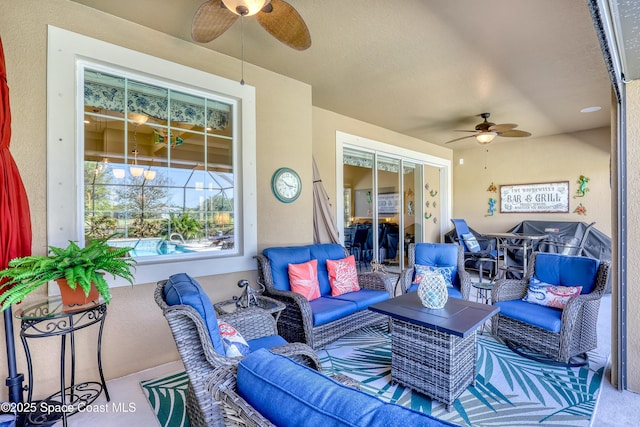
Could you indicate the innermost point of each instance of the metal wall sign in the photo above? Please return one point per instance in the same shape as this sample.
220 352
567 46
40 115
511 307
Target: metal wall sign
545 197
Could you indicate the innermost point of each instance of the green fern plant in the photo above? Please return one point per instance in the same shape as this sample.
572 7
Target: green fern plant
80 266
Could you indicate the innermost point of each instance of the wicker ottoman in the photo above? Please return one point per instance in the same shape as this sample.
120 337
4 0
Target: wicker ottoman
434 351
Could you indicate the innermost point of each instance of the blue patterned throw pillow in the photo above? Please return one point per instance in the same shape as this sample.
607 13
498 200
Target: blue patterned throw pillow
471 242
234 344
447 273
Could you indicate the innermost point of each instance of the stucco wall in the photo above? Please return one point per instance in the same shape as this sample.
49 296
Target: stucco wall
633 235
534 160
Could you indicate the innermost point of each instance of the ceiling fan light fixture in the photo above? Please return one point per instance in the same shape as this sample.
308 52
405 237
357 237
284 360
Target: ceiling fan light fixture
486 137
245 7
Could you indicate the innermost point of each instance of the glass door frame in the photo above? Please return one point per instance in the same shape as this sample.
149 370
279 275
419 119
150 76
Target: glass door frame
345 140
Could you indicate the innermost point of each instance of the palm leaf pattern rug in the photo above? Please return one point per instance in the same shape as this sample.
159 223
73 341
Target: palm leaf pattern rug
510 390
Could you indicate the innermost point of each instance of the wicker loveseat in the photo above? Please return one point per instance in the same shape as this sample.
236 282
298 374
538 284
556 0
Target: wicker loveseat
556 333
325 319
193 323
299 396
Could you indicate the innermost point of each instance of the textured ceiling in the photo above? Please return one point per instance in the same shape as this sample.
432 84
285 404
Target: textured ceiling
426 68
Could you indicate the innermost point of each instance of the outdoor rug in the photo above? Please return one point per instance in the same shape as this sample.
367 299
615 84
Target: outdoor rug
510 390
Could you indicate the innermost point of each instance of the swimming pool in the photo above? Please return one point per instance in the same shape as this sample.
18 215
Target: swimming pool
150 247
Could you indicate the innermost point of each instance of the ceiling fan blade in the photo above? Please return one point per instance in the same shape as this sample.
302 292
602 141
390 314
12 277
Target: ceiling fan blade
503 127
458 139
514 133
285 23
462 130
211 20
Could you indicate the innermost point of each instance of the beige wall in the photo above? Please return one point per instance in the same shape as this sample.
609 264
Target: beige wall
633 234
532 160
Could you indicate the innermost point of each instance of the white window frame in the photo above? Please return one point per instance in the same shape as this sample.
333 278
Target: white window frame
67 53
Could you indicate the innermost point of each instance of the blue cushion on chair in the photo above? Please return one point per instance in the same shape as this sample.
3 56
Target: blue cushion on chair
564 270
328 309
313 399
548 318
439 255
182 289
364 297
269 341
323 252
453 292
280 258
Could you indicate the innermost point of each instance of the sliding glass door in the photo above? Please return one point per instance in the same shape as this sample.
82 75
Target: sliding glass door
384 199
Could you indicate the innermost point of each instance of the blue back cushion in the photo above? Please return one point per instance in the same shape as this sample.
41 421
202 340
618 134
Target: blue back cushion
439 255
323 252
314 399
565 270
182 289
280 258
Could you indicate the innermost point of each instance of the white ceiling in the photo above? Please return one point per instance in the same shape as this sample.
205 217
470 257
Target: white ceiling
425 68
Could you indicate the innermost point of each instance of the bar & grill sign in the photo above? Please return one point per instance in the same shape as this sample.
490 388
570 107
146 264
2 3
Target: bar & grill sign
543 197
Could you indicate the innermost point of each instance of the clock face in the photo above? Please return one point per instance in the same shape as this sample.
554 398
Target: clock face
286 185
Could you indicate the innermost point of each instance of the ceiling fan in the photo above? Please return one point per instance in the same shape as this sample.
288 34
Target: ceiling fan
486 131
278 17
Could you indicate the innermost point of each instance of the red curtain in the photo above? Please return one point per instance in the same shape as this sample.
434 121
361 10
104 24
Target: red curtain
15 220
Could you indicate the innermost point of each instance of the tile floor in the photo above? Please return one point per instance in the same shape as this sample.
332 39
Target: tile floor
615 408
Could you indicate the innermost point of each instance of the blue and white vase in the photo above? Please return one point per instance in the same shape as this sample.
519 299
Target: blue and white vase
433 290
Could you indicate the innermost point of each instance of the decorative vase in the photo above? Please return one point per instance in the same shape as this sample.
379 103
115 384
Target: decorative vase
76 296
433 290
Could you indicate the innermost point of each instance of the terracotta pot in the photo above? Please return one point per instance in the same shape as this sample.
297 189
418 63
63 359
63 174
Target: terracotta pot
77 296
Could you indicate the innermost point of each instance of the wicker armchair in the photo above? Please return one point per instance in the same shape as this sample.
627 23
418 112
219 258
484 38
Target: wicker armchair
577 333
437 255
296 323
200 358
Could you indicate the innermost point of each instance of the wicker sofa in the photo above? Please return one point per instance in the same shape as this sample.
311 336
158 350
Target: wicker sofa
325 319
299 396
555 333
193 324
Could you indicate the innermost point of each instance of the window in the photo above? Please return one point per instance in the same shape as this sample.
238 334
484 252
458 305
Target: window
158 152
158 167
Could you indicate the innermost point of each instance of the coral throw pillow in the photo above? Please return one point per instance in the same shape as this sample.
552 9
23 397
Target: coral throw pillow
343 275
303 279
550 295
234 344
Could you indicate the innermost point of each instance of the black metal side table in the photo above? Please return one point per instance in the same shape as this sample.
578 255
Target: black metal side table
50 318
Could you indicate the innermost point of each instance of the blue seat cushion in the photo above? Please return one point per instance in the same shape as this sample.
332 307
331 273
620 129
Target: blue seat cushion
181 289
453 292
547 318
364 297
269 341
564 270
313 399
280 258
323 252
328 309
438 255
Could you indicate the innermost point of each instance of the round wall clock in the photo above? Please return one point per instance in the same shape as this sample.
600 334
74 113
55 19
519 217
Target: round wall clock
286 185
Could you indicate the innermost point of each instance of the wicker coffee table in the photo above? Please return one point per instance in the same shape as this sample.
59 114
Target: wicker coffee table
434 351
